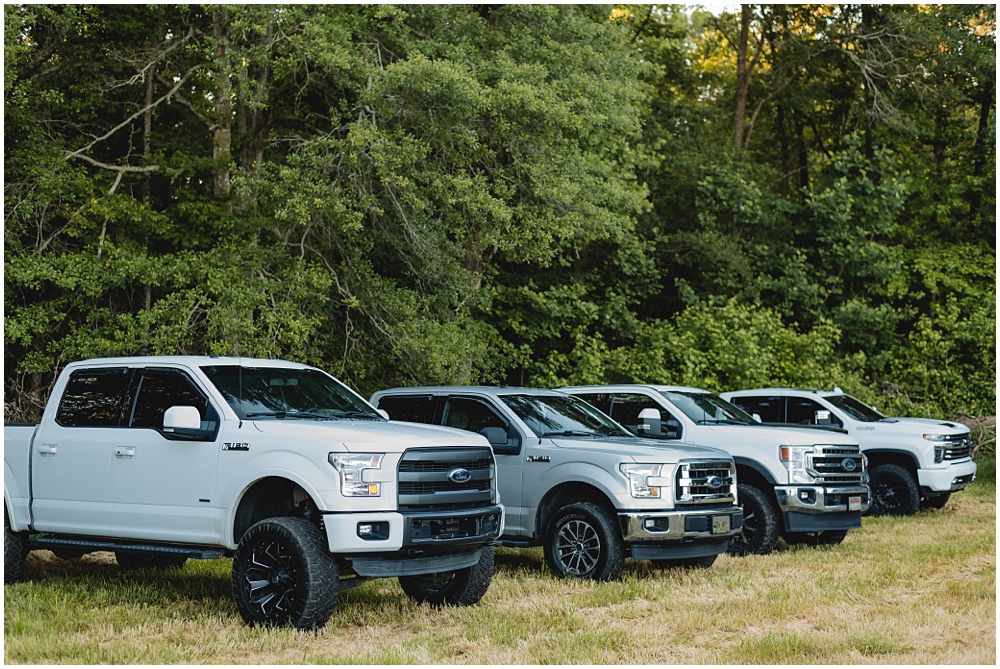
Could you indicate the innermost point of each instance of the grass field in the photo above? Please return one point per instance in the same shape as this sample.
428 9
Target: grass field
918 590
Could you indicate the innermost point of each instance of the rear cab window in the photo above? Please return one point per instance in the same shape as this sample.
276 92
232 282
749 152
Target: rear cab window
94 398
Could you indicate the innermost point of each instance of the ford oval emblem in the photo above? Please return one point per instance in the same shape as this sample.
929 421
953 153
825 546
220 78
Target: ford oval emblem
714 482
849 464
459 475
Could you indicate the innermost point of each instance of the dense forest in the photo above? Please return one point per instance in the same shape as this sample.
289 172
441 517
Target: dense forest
521 194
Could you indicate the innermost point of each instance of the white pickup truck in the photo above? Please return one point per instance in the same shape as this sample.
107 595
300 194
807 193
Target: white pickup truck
576 483
913 462
277 464
805 486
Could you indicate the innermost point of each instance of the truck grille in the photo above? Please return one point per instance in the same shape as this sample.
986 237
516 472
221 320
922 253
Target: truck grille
836 464
424 482
707 482
959 446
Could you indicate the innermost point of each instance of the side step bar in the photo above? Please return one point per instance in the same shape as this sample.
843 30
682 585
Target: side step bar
90 545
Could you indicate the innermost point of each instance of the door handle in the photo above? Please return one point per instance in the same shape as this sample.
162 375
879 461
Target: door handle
47 449
125 452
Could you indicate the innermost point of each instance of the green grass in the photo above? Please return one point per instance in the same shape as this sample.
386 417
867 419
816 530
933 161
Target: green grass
918 590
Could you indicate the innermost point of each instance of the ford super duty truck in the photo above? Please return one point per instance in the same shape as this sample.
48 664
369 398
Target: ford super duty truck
277 464
914 461
802 485
576 483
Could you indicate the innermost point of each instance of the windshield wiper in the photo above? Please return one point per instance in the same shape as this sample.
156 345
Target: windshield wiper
359 414
722 421
570 433
288 414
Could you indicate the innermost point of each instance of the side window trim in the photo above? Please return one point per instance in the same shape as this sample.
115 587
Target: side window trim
212 414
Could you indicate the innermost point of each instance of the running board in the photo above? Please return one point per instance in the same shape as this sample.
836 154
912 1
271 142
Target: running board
90 545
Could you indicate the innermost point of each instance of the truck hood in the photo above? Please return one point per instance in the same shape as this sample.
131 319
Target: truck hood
915 427
362 436
785 436
643 450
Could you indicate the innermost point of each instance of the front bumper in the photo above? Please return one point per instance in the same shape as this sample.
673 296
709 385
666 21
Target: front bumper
677 526
949 479
438 531
818 508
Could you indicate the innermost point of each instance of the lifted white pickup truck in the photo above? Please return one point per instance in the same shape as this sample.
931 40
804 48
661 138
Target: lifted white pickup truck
576 483
305 484
914 461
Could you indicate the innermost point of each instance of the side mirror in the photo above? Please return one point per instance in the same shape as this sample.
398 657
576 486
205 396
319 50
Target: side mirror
181 418
672 429
822 417
383 413
757 418
650 423
497 436
184 423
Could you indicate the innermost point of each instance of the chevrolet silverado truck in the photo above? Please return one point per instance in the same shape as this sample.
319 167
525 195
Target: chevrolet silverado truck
277 464
576 483
797 484
914 462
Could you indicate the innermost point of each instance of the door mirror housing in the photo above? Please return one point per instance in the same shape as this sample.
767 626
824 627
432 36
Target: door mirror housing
184 422
383 413
822 417
503 441
650 423
757 418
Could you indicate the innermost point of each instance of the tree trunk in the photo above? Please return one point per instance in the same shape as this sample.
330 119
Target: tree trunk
223 106
742 76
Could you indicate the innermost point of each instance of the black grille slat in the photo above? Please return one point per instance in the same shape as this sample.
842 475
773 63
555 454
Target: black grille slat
404 466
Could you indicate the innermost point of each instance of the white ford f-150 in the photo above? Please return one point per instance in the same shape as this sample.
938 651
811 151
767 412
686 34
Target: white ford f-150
913 462
277 464
576 483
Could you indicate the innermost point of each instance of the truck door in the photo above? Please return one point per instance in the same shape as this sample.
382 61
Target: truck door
164 486
473 414
72 453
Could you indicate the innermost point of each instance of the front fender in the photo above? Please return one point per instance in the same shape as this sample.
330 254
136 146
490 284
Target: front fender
580 473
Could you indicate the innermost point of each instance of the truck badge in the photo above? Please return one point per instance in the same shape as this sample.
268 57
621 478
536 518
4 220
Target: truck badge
714 482
459 475
849 464
235 446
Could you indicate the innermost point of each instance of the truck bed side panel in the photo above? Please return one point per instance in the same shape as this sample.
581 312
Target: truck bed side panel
16 473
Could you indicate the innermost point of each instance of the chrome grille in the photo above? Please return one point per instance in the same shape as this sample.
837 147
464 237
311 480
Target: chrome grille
959 446
706 482
424 484
836 464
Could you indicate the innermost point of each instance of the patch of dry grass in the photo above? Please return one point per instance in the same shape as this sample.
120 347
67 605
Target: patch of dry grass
919 590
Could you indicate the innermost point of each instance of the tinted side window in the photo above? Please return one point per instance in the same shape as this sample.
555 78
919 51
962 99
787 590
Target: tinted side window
802 411
161 389
93 398
626 408
600 401
413 408
768 408
472 415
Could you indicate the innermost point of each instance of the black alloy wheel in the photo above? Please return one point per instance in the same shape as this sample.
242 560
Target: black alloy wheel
894 491
761 521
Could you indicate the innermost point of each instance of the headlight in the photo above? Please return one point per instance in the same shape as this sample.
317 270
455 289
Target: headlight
940 442
638 477
794 459
351 467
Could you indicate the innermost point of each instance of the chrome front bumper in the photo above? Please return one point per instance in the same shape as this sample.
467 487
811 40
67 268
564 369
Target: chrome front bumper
679 525
819 499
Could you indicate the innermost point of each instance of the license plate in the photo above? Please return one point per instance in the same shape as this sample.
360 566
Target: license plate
720 524
854 503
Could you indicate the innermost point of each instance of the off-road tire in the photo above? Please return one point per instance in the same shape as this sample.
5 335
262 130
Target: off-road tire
582 541
894 491
935 502
761 523
15 552
824 538
461 587
686 563
283 575
135 561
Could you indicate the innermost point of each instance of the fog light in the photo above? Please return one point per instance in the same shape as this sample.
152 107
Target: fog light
807 496
373 531
657 524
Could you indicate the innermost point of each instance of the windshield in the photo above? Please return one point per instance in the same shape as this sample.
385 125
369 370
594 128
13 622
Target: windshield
705 408
562 416
855 408
275 393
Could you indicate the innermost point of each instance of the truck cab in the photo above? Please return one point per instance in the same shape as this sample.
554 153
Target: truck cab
578 484
914 462
805 486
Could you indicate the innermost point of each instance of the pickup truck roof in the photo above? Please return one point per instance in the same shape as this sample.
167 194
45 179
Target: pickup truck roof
495 391
186 360
659 387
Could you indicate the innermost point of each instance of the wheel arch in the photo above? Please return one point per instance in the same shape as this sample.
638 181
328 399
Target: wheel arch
567 493
891 456
271 497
